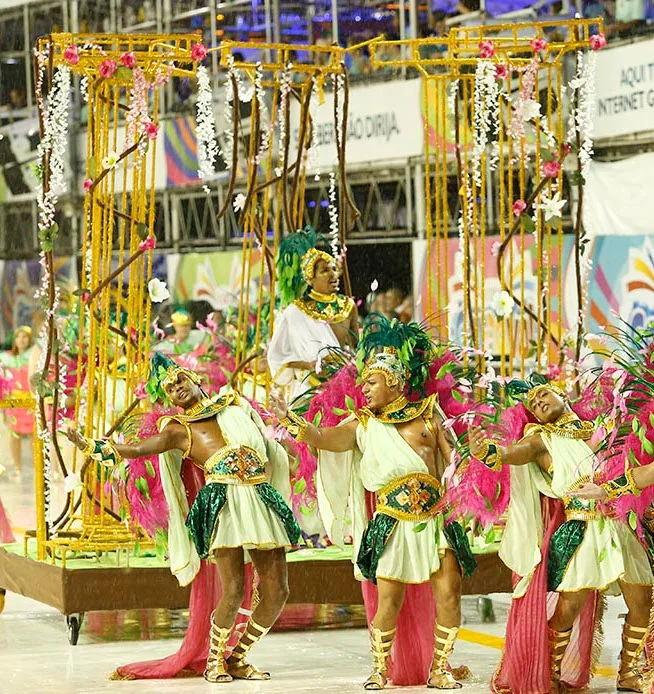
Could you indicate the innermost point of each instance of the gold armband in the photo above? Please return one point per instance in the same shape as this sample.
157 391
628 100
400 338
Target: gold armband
295 425
621 486
490 455
102 451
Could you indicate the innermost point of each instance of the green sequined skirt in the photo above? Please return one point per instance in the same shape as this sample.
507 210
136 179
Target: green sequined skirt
255 513
428 540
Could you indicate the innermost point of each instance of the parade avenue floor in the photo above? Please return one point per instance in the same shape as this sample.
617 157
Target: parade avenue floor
35 656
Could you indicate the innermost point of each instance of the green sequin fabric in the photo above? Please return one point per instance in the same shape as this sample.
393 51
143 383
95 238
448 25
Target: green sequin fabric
274 501
202 519
373 542
564 543
204 516
458 541
379 531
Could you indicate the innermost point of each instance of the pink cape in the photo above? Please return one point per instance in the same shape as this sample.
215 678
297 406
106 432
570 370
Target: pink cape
205 593
525 666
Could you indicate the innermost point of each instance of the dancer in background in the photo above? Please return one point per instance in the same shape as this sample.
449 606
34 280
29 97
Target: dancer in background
19 421
317 319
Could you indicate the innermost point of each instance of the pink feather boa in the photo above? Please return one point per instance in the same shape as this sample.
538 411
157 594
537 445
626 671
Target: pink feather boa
150 514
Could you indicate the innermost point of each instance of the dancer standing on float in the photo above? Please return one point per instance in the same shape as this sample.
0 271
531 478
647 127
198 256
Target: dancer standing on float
317 318
238 512
568 548
402 447
316 324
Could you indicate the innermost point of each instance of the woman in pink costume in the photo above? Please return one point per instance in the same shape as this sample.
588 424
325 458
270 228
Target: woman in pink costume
20 421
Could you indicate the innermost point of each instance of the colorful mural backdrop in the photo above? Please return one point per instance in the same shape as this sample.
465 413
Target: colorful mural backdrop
621 285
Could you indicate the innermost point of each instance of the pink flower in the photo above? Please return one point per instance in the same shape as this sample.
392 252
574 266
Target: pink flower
538 45
550 169
128 59
566 149
148 244
71 56
501 71
151 130
84 296
140 392
519 206
486 49
133 335
597 42
107 69
198 52
88 184
495 249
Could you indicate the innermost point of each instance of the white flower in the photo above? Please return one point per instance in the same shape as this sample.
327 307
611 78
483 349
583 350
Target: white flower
503 304
157 290
278 171
527 109
71 482
110 161
239 202
551 207
374 286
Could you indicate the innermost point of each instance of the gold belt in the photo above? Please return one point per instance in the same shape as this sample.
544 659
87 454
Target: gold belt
241 465
412 497
582 514
234 479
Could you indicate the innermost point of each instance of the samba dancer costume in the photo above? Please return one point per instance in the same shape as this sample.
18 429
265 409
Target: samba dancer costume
304 331
407 536
556 543
237 506
308 331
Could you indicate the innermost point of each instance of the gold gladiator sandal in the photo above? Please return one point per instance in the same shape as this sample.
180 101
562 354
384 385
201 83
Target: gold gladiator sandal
630 676
216 670
559 641
439 676
381 643
237 667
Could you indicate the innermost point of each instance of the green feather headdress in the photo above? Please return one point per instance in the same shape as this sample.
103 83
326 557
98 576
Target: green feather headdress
164 370
411 344
296 259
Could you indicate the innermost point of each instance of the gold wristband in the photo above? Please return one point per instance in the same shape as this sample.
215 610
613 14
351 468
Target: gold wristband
621 486
295 425
490 455
89 446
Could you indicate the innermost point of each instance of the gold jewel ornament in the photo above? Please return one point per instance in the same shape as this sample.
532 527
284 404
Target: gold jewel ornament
621 486
295 425
333 308
569 426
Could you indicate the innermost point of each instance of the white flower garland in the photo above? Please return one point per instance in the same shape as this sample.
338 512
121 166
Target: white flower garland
206 127
333 215
312 152
284 91
580 119
265 126
227 150
487 114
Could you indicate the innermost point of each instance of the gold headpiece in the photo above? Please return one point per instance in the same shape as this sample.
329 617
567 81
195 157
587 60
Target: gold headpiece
24 329
387 363
531 395
180 318
174 371
309 260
